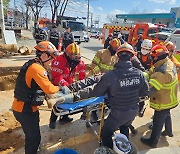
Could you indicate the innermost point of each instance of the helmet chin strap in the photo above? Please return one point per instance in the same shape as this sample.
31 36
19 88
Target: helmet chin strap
42 62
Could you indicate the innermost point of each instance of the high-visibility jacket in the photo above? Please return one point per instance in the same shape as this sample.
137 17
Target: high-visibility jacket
31 72
177 63
103 61
62 74
164 80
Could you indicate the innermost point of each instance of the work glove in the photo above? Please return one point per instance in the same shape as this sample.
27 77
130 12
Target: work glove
53 99
65 89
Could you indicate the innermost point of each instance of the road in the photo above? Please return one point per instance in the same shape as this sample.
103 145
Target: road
75 135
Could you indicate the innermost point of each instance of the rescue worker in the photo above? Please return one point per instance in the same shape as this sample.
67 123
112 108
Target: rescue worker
54 36
40 35
68 38
138 44
64 70
120 85
105 59
171 48
144 57
31 86
109 38
163 94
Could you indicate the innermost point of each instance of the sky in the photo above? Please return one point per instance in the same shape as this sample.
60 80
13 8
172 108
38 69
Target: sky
99 9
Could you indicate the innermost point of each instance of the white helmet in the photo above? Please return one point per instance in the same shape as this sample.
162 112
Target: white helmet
121 144
146 46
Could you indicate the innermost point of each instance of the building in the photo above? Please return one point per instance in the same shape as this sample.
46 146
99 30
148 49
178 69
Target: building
171 19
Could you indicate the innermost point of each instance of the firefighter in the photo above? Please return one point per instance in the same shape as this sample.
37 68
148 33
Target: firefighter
40 35
171 48
139 42
109 38
163 94
120 85
144 57
31 85
64 70
54 36
105 59
68 38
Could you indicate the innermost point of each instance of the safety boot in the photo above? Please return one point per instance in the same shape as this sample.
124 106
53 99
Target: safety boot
164 133
52 125
148 142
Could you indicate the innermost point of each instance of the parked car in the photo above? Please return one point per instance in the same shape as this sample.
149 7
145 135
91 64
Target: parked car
94 34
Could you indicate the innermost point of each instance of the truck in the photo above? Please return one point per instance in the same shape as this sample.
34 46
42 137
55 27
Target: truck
77 28
131 31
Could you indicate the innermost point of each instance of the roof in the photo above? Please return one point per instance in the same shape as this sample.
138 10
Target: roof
146 15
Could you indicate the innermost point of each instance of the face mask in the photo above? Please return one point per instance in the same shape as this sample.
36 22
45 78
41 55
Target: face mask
144 51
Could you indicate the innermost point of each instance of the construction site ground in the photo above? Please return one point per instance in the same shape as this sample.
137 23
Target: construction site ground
72 135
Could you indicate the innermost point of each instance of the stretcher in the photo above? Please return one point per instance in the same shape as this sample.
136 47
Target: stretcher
86 107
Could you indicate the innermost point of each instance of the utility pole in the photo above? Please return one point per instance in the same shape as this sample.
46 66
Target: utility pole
88 16
2 20
91 20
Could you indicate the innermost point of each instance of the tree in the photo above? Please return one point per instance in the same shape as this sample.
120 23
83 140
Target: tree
62 9
111 18
36 6
27 12
54 4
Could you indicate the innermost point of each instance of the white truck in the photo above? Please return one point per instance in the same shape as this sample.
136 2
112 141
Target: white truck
77 29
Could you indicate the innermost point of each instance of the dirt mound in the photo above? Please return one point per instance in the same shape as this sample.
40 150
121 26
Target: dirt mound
8 77
10 140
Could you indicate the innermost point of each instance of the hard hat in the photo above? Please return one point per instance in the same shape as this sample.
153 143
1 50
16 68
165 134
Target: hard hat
158 50
103 150
121 144
48 48
170 46
146 46
115 43
73 51
124 48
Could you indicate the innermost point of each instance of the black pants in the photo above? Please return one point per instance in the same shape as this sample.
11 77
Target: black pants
160 118
116 120
30 126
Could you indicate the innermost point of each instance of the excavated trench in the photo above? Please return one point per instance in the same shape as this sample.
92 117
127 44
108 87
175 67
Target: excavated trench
8 77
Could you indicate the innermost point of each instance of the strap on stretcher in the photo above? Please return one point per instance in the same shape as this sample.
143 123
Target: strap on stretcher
81 104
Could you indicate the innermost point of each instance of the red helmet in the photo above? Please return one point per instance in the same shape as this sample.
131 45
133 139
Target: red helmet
115 43
48 48
125 48
158 50
170 46
73 51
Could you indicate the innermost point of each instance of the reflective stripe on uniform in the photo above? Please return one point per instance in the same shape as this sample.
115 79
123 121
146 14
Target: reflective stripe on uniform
96 69
155 84
146 75
96 59
106 67
163 106
173 98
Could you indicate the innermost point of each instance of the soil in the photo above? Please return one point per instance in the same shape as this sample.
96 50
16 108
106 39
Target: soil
9 138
